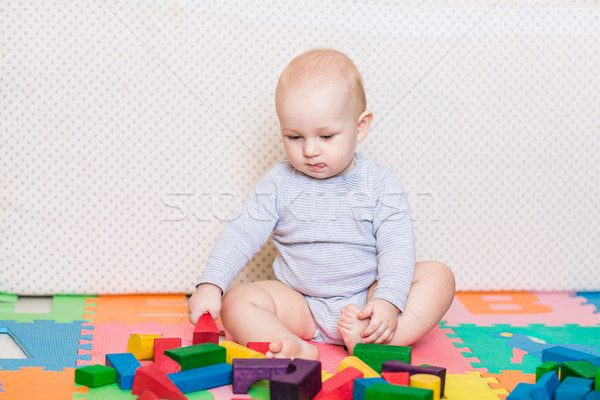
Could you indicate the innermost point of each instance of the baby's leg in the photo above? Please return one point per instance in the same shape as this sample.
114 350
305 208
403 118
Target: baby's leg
269 311
429 298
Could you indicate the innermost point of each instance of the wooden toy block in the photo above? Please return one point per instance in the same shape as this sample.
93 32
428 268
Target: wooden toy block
426 381
593 395
340 386
148 395
166 363
374 355
400 366
361 385
203 378
353 361
151 377
595 361
301 381
206 330
141 345
246 371
234 350
549 382
579 369
261 347
571 392
385 391
125 365
574 381
521 392
198 355
597 380
545 368
539 393
396 378
559 354
95 375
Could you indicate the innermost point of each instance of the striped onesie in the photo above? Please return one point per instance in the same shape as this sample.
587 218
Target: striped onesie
334 236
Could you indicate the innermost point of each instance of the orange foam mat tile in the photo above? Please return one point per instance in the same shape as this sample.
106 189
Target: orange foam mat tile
137 309
36 383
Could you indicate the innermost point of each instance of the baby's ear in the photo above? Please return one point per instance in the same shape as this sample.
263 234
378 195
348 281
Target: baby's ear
364 124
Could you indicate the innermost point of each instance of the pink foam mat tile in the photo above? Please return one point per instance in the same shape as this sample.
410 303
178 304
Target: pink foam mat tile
437 349
521 309
330 356
112 337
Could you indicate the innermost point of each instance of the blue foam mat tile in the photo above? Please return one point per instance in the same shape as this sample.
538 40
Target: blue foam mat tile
49 345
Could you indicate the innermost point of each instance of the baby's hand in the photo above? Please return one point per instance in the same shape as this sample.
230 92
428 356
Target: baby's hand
384 319
206 299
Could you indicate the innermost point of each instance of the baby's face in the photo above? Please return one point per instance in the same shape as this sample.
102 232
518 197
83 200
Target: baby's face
319 127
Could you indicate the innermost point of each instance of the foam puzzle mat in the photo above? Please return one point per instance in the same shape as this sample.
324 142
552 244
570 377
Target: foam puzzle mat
488 342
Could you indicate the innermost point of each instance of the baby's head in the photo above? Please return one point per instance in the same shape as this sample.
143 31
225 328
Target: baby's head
321 105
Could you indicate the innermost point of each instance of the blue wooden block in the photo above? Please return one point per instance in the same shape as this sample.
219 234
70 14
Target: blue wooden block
550 382
361 385
572 380
571 392
560 354
521 392
539 393
125 364
208 377
593 395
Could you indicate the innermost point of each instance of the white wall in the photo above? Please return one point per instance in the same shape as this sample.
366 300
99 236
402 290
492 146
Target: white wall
121 121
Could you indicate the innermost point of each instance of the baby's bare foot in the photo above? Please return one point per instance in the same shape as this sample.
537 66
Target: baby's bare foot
292 347
350 327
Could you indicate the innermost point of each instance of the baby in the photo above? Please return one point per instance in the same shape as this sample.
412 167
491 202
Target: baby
345 266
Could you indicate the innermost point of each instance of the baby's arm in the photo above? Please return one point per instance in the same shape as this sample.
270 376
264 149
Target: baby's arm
206 299
383 321
395 258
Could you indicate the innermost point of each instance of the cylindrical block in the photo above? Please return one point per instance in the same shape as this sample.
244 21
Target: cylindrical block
426 381
141 345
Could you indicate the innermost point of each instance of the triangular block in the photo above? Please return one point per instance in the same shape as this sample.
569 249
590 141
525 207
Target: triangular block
151 377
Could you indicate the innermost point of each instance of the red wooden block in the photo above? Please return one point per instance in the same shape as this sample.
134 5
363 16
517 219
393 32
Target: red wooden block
340 386
166 363
261 347
206 330
397 378
152 378
148 395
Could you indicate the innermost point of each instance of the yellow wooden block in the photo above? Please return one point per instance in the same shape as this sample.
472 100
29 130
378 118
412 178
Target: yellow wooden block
235 350
357 363
141 345
427 381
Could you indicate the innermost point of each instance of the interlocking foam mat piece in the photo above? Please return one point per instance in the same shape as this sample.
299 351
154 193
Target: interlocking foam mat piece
488 342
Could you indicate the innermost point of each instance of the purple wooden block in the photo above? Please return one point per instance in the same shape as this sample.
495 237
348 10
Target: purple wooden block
302 381
401 366
246 371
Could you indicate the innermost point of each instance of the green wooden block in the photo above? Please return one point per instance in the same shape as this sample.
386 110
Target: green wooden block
95 375
548 366
597 381
198 355
385 391
374 355
577 369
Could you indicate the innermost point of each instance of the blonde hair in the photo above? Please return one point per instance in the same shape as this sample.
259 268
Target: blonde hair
324 64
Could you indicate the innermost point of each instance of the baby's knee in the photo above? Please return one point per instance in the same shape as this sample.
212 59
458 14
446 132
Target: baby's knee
438 274
239 296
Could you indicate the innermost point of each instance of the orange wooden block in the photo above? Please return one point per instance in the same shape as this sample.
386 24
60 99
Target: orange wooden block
206 330
340 386
396 378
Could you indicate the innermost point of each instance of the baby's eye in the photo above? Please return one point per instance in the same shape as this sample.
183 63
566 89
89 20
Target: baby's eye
326 137
294 137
